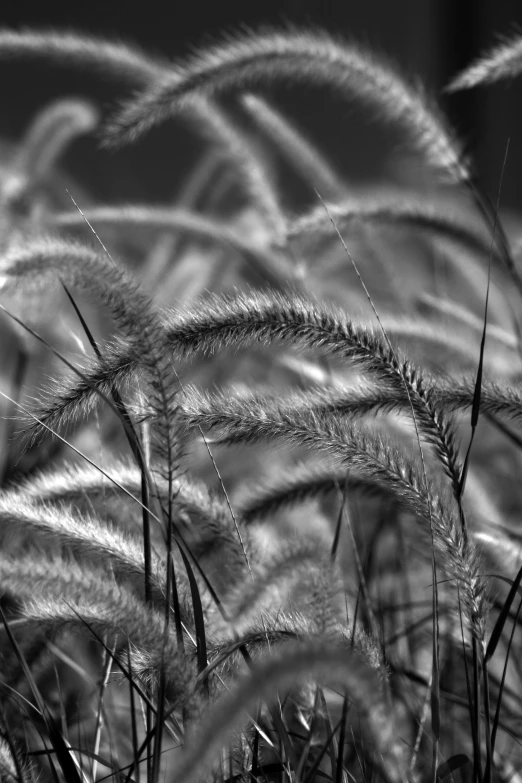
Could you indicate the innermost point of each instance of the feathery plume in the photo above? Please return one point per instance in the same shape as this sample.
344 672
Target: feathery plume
37 261
131 64
50 133
224 322
453 310
374 460
24 524
316 58
102 56
272 582
504 550
57 592
504 61
269 266
227 321
396 211
301 483
331 663
454 395
12 768
202 516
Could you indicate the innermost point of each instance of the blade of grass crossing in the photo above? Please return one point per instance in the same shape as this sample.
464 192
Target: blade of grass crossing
66 759
496 719
136 450
99 712
340 773
477 702
134 724
475 408
496 633
435 683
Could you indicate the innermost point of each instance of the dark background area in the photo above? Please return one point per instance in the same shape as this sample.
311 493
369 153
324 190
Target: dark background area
431 39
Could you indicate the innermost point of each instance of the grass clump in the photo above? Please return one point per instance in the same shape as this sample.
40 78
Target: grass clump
248 531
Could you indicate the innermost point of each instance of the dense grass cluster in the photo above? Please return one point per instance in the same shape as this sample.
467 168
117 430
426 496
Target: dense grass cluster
263 521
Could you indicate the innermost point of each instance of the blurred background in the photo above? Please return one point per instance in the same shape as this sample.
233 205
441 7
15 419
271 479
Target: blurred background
431 39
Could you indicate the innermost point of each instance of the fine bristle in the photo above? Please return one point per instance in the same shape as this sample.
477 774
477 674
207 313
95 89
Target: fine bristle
317 58
503 61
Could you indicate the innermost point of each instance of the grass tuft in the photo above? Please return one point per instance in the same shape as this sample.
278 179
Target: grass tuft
235 540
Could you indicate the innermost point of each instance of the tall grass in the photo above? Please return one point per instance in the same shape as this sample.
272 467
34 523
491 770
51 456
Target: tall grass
262 520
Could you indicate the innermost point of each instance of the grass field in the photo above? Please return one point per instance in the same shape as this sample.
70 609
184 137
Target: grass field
260 506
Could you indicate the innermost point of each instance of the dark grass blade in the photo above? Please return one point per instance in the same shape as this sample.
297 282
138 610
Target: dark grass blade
158 734
410 628
475 409
476 718
490 651
459 701
22 361
303 761
338 526
446 768
277 719
63 754
502 618
134 724
435 669
126 673
138 756
339 778
199 617
256 767
128 779
161 697
60 700
311 776
496 719
85 751
136 449
54 771
487 721
276 768
469 704
331 744
151 709
99 711
24 704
